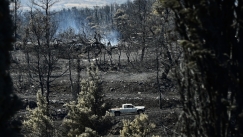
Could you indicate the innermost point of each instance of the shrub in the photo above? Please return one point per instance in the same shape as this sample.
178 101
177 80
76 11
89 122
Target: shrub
139 127
38 123
88 133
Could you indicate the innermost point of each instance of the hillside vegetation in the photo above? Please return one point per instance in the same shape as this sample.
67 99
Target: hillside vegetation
182 60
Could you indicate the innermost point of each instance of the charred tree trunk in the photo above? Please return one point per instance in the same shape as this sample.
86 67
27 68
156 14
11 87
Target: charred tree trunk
70 75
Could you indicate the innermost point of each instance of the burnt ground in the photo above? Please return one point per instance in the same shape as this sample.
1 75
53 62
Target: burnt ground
128 84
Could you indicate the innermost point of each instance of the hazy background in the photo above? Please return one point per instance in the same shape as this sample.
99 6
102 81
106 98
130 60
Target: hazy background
76 3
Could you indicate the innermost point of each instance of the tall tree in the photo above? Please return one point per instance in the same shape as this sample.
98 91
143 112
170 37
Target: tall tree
41 30
210 78
9 102
138 17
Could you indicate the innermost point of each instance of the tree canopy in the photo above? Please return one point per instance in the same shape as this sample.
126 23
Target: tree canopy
210 77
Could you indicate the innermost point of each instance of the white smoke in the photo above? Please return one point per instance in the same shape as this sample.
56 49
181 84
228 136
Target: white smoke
112 37
67 22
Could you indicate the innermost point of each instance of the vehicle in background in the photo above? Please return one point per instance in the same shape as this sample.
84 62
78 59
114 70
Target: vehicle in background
127 109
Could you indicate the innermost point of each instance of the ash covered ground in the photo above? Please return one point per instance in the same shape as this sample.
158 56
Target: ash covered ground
127 84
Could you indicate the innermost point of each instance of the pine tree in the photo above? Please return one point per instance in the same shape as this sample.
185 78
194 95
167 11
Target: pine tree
9 103
210 78
89 111
38 123
139 127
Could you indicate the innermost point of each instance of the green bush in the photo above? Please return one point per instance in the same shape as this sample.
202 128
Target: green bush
88 133
139 127
38 123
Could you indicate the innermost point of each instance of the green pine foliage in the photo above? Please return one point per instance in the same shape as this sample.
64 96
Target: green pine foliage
89 133
9 103
89 111
139 127
210 78
38 123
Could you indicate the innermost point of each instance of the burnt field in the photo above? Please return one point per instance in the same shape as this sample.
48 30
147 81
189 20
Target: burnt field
129 83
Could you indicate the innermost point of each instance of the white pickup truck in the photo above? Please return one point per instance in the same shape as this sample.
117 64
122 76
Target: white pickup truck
126 109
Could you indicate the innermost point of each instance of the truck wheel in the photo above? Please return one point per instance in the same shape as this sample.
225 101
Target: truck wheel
117 113
140 111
